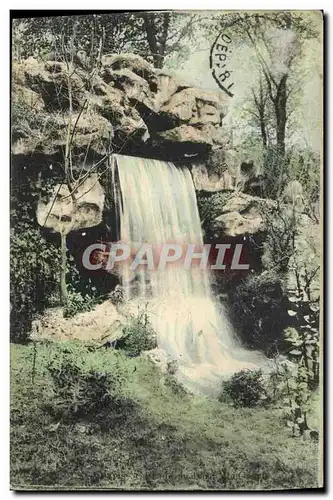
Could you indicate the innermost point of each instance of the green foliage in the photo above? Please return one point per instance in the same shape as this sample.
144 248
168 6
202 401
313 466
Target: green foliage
279 247
303 165
35 261
174 385
210 207
76 302
153 36
274 172
303 338
117 295
289 384
34 275
30 122
295 380
82 295
245 388
138 336
22 116
35 271
81 385
172 367
38 37
258 308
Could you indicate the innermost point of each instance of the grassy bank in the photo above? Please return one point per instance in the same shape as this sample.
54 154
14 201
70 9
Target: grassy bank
157 438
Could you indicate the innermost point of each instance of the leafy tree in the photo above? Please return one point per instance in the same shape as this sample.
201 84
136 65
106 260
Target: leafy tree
152 35
277 39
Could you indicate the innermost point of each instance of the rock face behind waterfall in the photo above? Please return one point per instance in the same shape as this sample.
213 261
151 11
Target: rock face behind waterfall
126 99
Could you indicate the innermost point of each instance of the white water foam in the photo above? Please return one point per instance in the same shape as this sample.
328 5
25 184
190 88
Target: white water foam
158 206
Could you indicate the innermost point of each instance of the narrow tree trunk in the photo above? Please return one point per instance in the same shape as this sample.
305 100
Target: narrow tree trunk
263 131
281 115
157 41
63 268
151 37
261 105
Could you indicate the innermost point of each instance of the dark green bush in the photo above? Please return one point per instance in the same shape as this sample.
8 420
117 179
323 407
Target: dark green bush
245 388
258 309
84 384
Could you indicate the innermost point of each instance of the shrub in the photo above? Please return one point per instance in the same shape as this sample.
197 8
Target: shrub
76 302
138 336
172 366
83 383
258 308
245 388
174 385
117 295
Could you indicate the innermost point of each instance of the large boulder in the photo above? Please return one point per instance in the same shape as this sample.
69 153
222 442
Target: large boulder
92 133
195 107
212 182
100 325
132 62
22 94
135 88
59 214
242 214
167 85
187 135
114 106
51 80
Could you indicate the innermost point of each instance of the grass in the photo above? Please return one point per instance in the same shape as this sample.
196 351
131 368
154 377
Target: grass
156 439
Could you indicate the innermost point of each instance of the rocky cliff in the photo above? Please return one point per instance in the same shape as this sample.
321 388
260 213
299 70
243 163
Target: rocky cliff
125 106
124 102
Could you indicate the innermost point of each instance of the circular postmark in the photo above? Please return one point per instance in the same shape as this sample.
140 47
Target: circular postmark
219 62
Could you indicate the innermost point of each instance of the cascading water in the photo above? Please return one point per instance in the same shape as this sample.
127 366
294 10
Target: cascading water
158 205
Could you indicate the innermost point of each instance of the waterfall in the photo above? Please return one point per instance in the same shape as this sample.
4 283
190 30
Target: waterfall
158 205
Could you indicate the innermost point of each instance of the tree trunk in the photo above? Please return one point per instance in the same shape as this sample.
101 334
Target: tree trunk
281 115
163 40
151 37
157 42
263 131
158 61
63 269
